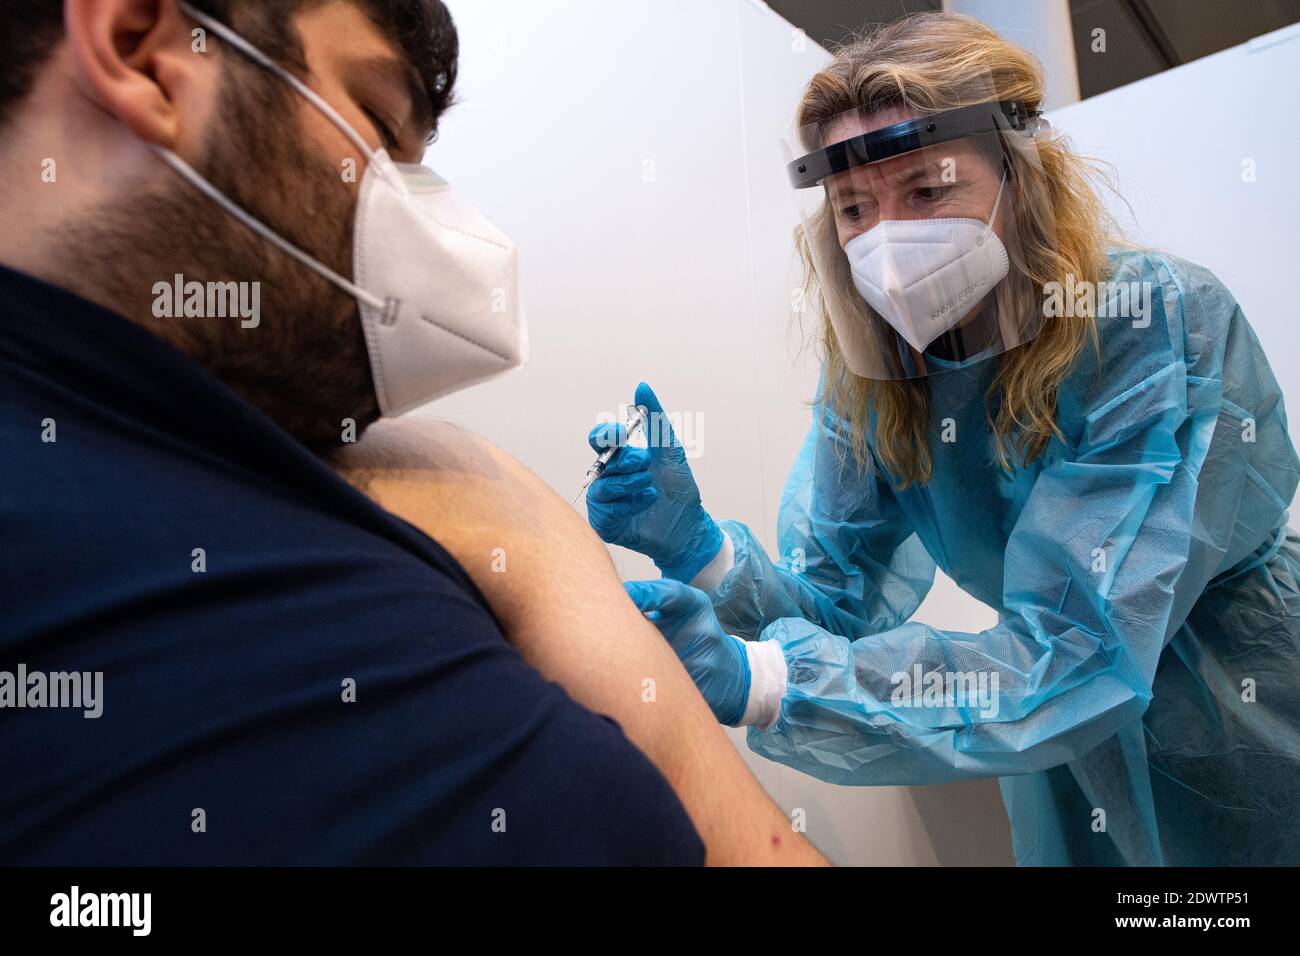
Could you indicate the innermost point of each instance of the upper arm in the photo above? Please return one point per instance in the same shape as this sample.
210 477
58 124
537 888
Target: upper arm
551 583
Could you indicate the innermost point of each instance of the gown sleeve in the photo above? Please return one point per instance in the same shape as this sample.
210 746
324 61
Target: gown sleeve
849 561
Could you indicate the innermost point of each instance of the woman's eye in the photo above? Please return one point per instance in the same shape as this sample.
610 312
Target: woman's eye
852 212
385 132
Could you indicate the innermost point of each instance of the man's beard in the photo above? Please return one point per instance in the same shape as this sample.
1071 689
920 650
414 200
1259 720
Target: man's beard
305 365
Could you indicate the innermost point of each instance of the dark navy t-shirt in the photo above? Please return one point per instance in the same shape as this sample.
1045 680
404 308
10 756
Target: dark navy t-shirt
226 735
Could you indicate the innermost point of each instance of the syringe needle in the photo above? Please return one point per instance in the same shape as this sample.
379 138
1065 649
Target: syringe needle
591 476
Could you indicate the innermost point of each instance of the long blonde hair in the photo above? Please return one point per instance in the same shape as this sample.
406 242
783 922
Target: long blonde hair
927 63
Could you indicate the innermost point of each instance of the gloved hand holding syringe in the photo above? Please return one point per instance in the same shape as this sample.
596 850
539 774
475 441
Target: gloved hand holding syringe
634 425
647 498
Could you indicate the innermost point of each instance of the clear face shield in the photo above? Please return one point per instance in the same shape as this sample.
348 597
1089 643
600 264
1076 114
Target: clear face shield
927 237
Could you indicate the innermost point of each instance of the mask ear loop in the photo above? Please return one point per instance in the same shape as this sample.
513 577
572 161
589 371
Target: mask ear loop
988 227
265 231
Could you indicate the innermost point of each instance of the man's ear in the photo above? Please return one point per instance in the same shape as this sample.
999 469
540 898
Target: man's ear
133 59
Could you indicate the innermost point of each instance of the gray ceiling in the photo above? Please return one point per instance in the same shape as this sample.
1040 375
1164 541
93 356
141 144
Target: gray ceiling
1154 35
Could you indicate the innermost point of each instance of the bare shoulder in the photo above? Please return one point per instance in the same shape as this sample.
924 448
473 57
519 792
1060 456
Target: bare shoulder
422 448
488 509
433 466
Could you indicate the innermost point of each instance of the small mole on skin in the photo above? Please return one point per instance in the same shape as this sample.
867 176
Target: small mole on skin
776 839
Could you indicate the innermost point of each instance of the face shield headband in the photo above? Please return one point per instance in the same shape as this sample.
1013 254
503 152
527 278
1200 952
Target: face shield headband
1001 115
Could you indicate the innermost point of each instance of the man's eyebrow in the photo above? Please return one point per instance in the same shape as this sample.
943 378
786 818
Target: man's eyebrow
401 74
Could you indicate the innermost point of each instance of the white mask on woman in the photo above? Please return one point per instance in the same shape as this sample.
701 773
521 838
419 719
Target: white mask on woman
925 275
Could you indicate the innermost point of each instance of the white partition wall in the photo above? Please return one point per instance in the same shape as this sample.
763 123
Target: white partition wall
1206 155
631 149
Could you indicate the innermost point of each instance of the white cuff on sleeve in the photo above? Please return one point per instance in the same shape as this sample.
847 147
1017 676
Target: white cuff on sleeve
711 574
767 683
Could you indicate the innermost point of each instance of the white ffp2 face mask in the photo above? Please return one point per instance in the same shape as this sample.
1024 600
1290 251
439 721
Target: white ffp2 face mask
925 275
444 310
436 283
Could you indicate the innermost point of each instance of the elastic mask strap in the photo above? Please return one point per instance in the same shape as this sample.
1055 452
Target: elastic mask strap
988 227
263 230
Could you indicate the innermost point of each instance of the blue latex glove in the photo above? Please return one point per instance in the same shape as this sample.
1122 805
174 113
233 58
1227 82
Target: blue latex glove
647 499
716 661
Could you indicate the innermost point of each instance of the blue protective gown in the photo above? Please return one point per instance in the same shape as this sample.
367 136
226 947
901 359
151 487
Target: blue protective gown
1147 651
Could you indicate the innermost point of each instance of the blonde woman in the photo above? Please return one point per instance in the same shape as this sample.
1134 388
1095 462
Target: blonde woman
1086 437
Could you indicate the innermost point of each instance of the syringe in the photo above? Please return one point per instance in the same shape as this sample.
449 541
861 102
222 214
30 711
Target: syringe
636 418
